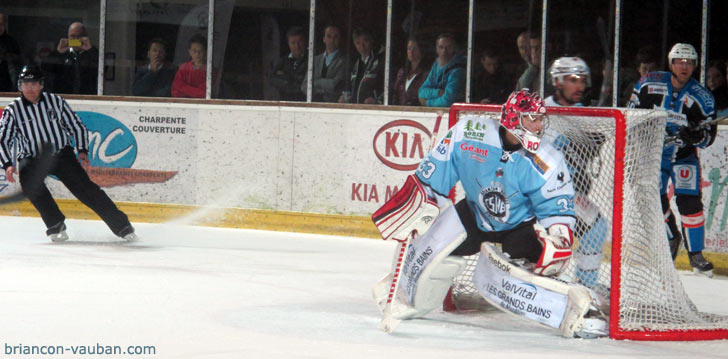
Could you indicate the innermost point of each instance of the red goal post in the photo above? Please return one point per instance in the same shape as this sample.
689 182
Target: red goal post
633 265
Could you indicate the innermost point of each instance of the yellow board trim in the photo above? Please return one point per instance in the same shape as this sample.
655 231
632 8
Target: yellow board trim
355 226
341 225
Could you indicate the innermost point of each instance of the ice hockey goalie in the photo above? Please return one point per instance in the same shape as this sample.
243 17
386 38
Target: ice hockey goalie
518 193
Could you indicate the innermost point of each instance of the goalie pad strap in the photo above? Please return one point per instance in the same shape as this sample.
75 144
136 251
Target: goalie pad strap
408 210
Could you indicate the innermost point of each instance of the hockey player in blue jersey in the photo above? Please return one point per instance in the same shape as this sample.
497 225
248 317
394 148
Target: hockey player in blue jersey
690 107
518 192
571 77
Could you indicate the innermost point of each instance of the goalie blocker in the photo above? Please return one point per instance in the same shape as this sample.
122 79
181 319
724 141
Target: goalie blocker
423 269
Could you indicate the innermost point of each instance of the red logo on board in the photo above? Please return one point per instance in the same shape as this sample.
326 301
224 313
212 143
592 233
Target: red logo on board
402 144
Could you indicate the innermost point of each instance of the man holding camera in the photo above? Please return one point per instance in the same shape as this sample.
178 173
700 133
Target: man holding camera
73 66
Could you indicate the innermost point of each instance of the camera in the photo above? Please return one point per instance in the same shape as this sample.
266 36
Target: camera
74 42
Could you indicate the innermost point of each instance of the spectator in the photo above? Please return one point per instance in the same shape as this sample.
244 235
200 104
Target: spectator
411 76
73 65
9 58
716 83
328 69
290 70
523 50
445 84
531 78
523 46
491 84
646 60
191 78
366 76
155 79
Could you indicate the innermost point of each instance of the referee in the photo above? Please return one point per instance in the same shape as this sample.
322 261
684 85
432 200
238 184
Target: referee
42 125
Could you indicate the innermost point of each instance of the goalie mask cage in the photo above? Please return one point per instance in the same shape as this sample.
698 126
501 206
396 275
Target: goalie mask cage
621 249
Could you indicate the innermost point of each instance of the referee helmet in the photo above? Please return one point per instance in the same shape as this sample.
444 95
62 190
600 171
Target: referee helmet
30 73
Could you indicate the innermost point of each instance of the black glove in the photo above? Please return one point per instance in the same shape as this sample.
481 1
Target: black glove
693 136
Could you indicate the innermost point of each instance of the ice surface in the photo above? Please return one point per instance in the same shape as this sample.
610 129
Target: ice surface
199 292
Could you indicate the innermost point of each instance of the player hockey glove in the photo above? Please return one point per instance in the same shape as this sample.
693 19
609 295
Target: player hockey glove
693 136
556 249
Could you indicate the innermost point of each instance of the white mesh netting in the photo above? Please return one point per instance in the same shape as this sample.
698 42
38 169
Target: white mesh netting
651 295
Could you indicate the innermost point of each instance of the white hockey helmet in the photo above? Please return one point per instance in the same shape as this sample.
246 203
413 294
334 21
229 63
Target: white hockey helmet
565 66
683 51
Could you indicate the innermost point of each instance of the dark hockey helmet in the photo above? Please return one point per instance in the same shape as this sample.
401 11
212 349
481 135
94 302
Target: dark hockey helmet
524 106
30 73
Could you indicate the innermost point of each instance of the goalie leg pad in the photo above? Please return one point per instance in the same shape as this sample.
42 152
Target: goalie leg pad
434 283
426 273
550 302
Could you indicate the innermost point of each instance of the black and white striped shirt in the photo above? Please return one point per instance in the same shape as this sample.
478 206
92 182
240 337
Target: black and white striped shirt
29 126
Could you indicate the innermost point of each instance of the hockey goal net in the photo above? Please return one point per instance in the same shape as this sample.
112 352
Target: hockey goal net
620 249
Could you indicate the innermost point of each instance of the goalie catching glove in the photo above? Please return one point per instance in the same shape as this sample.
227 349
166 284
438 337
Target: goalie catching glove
556 249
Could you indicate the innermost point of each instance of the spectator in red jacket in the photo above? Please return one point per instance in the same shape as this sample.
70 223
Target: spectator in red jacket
191 77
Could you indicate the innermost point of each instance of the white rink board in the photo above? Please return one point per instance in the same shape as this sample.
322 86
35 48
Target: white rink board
714 168
318 160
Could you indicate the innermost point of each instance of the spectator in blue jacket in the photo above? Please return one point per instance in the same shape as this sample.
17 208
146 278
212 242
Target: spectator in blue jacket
445 83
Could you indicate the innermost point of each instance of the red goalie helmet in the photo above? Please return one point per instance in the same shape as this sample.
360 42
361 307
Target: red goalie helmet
524 116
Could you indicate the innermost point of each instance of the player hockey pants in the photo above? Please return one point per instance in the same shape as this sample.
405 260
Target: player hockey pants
519 242
68 170
686 176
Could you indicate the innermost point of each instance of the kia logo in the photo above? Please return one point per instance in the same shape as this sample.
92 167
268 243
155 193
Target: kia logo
401 144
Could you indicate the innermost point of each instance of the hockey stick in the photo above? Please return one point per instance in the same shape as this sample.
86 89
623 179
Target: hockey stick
388 322
44 163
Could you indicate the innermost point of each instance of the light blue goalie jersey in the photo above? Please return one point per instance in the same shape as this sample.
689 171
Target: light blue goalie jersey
503 189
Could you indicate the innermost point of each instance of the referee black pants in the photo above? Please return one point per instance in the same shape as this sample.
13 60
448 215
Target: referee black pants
519 242
68 170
